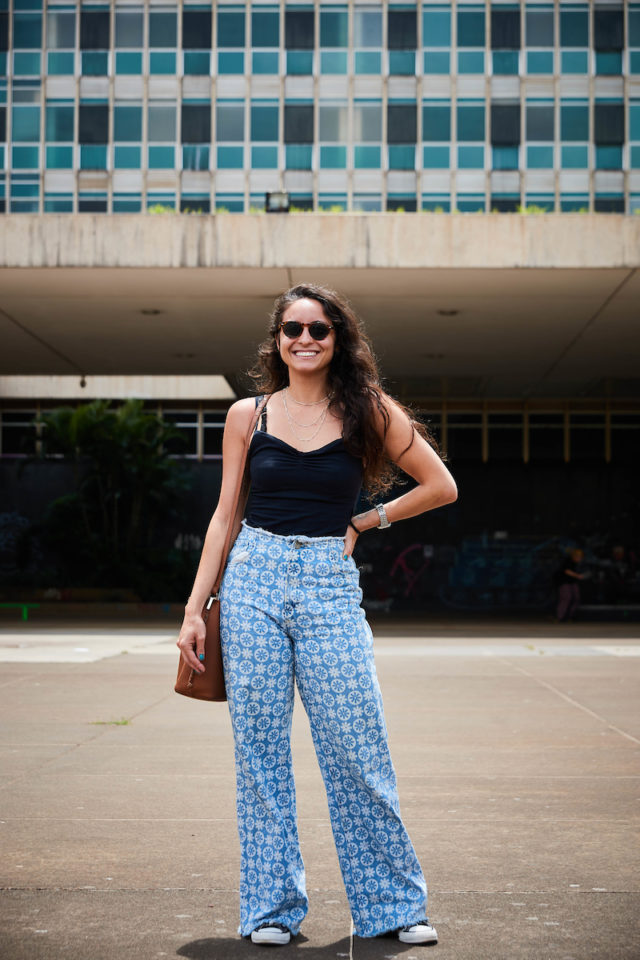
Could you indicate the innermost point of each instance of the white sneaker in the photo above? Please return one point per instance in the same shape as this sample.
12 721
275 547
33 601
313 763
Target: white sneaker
421 932
274 933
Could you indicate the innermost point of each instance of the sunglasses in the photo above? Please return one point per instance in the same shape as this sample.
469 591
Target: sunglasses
318 330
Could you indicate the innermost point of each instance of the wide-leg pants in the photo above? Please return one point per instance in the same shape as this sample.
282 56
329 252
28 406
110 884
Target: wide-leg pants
290 611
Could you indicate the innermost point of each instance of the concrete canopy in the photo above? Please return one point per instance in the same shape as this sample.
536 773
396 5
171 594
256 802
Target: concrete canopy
467 305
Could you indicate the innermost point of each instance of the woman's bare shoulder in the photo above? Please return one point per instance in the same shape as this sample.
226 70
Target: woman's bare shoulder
240 413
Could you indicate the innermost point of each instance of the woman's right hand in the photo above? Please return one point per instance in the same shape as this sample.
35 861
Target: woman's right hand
191 640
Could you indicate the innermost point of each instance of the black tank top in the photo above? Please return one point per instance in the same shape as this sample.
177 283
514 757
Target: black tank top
312 493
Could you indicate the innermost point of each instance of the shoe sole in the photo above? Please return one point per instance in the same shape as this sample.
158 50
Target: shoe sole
418 937
267 937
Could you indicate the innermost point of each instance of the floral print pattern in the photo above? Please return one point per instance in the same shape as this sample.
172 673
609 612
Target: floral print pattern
290 612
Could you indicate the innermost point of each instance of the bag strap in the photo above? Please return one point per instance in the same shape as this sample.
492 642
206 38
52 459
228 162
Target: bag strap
238 504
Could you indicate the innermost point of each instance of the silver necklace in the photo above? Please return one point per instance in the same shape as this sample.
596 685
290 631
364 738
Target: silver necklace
322 418
292 419
302 403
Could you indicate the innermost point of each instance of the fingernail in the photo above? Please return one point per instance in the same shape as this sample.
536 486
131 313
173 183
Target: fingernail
345 557
201 656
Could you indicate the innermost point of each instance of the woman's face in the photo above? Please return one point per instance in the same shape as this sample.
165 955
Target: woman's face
303 353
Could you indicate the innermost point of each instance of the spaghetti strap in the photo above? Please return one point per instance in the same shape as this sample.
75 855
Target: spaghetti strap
263 416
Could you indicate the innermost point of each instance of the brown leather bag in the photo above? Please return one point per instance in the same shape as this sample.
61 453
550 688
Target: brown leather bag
210 684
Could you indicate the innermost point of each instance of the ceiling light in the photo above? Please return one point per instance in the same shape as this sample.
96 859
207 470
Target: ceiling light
432 356
447 313
150 312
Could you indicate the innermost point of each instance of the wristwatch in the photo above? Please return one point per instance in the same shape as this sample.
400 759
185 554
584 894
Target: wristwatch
384 520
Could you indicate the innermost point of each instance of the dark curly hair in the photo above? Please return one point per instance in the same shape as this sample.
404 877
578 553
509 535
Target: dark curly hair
354 383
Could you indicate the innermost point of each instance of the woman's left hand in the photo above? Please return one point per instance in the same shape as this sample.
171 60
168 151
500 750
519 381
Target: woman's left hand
349 541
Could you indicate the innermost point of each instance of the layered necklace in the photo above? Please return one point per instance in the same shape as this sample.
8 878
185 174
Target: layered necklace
319 421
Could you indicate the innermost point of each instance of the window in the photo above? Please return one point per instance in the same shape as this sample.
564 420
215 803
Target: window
129 29
93 122
27 31
298 123
127 122
505 29
574 27
436 39
539 121
18 432
94 29
264 121
230 121
265 27
401 122
609 122
59 122
213 427
464 436
402 29
163 29
607 29
186 423
546 436
161 123
367 32
196 122
505 436
333 135
196 29
470 27
299 29
334 34
471 134
539 27
505 123
61 30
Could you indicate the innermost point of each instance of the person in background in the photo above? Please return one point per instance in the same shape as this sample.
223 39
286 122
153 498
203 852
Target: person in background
568 581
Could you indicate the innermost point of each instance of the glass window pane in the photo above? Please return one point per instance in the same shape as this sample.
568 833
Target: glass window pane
162 123
609 123
298 123
333 61
61 30
334 28
367 119
401 123
436 28
196 29
367 27
539 28
127 123
265 62
26 124
230 28
437 61
59 123
539 61
505 29
94 29
539 122
61 63
299 30
27 31
196 122
574 122
574 28
471 28
333 123
471 122
126 158
367 158
265 28
161 158
128 29
607 29
59 158
333 158
634 27
128 62
505 123
197 63
402 29
264 122
93 123
230 122
436 122
163 29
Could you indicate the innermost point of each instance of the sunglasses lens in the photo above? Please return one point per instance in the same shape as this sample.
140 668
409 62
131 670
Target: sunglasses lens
292 329
317 329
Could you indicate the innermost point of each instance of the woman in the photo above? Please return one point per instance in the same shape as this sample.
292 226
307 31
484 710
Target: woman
290 609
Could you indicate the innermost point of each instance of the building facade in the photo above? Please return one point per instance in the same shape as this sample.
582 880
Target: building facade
204 107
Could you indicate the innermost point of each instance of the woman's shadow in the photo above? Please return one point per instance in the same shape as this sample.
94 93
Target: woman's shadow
230 948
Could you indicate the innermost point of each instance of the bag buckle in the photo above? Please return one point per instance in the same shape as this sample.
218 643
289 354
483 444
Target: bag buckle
212 599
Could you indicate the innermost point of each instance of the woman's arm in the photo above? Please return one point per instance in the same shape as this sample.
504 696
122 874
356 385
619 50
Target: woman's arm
192 634
436 486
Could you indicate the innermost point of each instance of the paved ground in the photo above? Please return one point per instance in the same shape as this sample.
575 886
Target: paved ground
516 748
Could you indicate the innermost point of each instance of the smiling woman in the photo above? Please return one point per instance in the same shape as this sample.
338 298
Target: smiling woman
290 612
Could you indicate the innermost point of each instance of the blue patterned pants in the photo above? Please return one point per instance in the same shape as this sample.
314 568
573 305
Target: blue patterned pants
290 612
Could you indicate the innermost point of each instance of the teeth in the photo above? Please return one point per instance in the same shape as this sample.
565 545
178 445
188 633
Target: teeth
305 353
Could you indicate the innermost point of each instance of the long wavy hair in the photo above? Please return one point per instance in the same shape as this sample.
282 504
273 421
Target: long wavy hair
354 383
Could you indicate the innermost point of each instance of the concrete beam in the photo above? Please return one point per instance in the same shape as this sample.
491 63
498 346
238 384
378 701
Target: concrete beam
306 240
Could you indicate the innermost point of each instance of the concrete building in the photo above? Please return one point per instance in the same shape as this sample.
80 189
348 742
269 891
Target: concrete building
407 137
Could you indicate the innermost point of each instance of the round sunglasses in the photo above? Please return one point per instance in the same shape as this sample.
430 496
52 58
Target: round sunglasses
318 330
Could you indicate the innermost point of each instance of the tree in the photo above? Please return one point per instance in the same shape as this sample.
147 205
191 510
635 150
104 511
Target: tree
105 532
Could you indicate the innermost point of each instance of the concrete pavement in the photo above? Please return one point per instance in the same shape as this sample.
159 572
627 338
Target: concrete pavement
516 748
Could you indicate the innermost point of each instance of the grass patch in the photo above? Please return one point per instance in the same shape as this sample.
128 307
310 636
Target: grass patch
122 722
